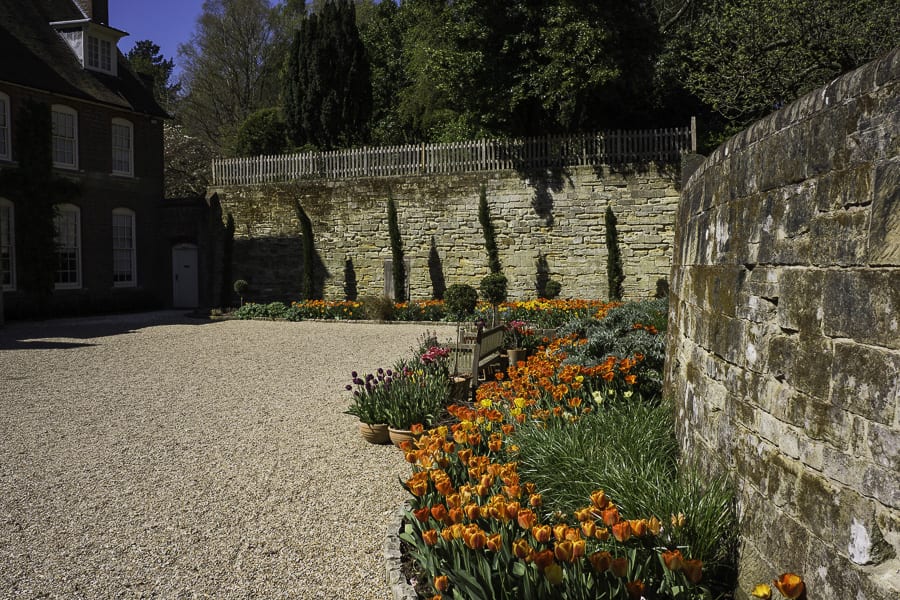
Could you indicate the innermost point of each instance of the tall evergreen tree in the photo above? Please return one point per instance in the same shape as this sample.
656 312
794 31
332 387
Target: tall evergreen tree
490 234
147 61
614 271
397 259
327 88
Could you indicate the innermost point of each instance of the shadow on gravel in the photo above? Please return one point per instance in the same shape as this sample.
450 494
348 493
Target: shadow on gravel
62 334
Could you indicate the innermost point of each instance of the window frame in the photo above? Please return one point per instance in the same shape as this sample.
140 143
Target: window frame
5 128
11 243
120 122
62 109
61 211
132 216
98 53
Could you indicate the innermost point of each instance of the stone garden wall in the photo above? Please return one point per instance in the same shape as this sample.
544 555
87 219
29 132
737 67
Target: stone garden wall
784 347
559 216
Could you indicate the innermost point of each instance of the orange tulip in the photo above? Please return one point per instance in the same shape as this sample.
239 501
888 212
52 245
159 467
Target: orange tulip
635 589
559 531
512 510
578 548
619 566
588 528
430 537
472 510
543 559
541 533
464 455
417 487
622 531
521 548
474 537
610 516
673 560
693 570
600 561
563 551
585 514
535 500
790 585
638 527
495 542
439 512
444 486
421 514
456 515
442 583
654 525
453 501
526 518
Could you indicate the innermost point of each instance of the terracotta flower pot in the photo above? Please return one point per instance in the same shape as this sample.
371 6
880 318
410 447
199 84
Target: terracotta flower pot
375 434
515 355
398 436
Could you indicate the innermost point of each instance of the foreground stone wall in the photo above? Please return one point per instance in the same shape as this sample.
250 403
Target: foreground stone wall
784 347
559 216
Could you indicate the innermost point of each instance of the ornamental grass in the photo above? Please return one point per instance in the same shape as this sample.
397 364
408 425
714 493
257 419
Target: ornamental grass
561 481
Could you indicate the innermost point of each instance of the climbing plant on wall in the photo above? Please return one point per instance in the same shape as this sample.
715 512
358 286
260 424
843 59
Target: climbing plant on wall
35 191
309 250
490 234
399 267
614 271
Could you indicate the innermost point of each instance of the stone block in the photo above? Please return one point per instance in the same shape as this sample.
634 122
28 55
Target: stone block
881 484
803 361
800 300
866 381
884 236
883 443
842 189
863 305
816 503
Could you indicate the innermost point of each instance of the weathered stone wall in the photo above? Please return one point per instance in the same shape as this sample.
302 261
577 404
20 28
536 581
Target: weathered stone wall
559 215
784 347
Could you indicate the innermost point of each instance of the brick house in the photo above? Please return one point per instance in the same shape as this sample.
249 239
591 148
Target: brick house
107 139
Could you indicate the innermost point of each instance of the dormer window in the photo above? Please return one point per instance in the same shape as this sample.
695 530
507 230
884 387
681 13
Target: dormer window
99 54
94 44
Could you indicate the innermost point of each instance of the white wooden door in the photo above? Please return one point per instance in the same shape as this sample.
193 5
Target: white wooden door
185 287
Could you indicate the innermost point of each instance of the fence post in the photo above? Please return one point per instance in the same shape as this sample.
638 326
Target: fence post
693 135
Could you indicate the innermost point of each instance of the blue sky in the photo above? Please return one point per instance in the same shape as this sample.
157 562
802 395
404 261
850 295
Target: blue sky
167 22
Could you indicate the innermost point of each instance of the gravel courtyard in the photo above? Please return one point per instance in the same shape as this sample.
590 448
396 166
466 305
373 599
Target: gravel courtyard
158 456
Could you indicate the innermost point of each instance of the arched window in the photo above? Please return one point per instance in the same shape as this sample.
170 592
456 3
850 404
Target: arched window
5 143
122 147
124 248
65 136
68 246
7 245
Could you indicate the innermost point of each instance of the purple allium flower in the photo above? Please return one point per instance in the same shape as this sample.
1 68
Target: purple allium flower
348 387
354 374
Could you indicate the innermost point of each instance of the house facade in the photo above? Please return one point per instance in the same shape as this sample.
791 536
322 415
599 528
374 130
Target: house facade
106 144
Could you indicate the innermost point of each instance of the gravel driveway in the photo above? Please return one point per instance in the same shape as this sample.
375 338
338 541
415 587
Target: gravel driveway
157 456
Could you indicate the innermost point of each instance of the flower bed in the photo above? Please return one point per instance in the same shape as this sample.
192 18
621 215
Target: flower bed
480 526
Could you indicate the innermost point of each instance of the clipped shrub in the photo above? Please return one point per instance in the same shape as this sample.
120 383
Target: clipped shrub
240 288
490 234
614 271
399 266
552 289
460 300
378 308
493 288
262 132
351 290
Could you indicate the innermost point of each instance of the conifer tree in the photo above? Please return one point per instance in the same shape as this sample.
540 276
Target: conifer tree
490 234
614 272
396 253
327 87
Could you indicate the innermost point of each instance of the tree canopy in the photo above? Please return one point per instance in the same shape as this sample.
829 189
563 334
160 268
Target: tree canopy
147 61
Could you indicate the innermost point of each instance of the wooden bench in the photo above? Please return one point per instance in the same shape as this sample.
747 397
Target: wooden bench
478 356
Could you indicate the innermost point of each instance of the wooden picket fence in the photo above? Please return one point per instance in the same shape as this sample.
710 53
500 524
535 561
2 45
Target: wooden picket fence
545 152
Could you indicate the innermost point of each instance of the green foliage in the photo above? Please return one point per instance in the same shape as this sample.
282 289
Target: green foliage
327 87
460 300
617 334
490 234
261 133
399 265
309 252
493 288
552 289
147 61
747 57
629 450
351 291
35 191
614 271
230 68
241 287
